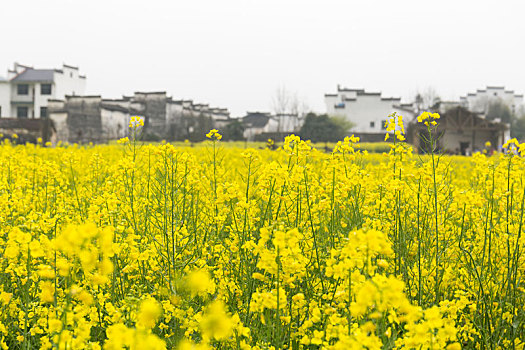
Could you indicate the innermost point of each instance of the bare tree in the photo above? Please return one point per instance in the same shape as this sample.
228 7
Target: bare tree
287 104
281 103
427 100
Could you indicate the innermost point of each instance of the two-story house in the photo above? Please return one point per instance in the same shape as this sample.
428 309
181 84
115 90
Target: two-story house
368 111
26 91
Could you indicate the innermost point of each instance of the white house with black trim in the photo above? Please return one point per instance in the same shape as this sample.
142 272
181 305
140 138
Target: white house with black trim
25 92
479 101
368 111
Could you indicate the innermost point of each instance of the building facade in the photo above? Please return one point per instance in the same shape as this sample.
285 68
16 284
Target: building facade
26 91
459 131
479 101
368 111
82 119
264 125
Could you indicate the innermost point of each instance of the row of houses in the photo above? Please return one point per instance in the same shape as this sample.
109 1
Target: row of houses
95 119
56 98
463 128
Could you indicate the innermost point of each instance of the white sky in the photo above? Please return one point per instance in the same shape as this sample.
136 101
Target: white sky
236 53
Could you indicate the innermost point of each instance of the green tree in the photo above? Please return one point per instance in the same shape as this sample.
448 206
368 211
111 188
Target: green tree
518 128
498 109
345 124
233 131
322 128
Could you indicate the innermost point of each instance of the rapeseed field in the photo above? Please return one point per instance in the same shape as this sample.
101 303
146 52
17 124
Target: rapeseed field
142 246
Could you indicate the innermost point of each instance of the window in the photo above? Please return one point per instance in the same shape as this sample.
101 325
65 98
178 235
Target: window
23 89
383 124
0 111
43 112
45 89
372 124
21 112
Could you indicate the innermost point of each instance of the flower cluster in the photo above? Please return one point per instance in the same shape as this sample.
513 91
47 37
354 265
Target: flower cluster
214 135
428 118
136 122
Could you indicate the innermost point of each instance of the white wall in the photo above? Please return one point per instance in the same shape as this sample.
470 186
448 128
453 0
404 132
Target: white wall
174 113
250 133
68 82
114 124
42 100
288 123
5 99
367 111
60 123
478 102
271 126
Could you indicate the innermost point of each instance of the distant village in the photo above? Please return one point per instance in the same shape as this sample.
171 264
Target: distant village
51 104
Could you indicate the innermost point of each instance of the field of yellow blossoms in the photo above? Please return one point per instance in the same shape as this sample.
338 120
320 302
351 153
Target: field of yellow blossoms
142 246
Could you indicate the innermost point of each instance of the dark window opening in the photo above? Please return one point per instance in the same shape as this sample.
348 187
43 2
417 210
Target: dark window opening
383 124
372 124
45 89
43 112
22 112
23 89
464 148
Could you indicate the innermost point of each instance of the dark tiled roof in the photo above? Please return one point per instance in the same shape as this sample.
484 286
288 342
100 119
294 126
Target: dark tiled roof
256 120
150 93
349 90
35 75
363 93
114 108
119 108
83 97
68 66
404 108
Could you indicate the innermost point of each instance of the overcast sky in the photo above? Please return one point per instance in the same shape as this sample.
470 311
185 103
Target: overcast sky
236 53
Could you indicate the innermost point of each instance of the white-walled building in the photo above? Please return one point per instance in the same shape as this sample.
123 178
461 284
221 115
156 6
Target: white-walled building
95 119
479 101
26 91
368 111
5 97
259 123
